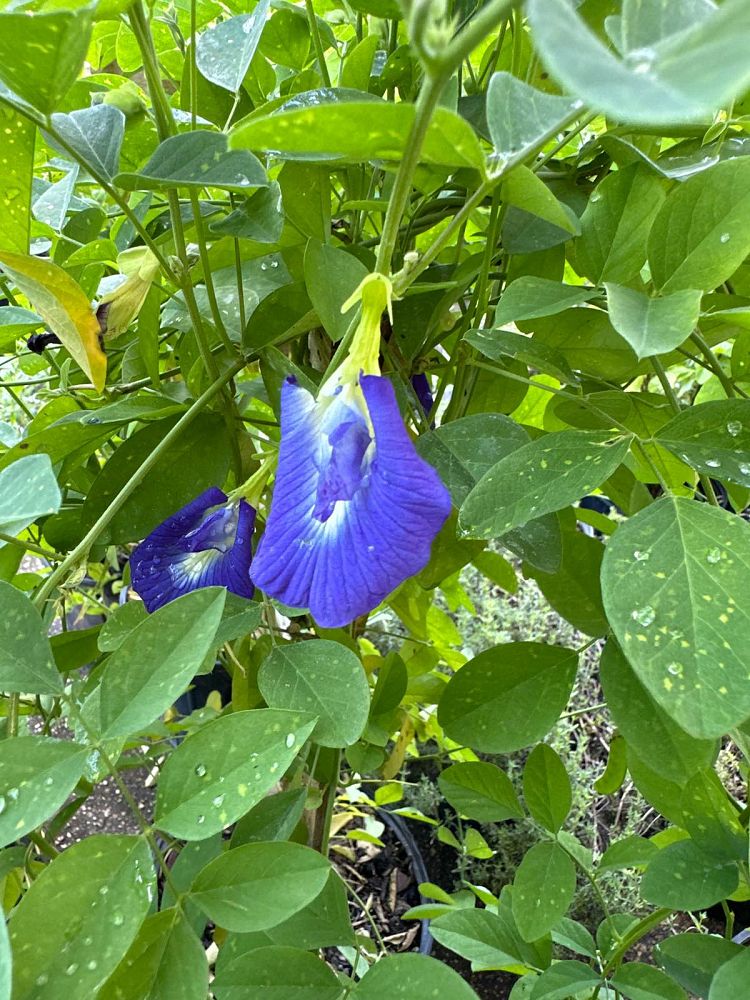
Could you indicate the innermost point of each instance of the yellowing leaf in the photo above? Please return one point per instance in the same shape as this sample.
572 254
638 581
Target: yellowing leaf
64 307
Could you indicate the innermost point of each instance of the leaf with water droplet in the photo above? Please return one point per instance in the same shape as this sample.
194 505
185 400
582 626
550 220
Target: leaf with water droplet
713 437
225 50
701 617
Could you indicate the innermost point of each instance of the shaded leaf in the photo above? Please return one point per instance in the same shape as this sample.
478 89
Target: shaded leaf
653 325
196 160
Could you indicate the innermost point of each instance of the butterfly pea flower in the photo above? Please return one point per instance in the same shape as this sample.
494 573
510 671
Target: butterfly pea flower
354 508
205 544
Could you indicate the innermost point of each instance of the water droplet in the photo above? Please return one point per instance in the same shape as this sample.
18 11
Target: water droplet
675 669
200 770
200 819
713 463
644 616
640 61
217 801
641 556
49 781
290 740
713 555
13 794
2 803
71 969
42 980
92 420
264 266
725 238
274 263
745 469
596 196
91 965
734 427
118 920
103 890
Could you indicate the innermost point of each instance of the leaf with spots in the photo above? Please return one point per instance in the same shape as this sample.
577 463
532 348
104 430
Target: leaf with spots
17 135
713 437
695 959
322 678
196 160
674 588
79 916
542 889
546 788
507 697
28 490
36 776
64 307
94 134
157 661
26 662
224 52
257 886
42 52
166 959
653 325
277 971
682 877
403 977
488 940
545 475
225 768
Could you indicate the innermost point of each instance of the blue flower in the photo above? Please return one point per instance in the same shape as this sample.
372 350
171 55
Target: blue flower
205 544
423 392
354 509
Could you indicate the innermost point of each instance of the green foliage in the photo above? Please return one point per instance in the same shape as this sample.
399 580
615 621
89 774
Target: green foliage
556 195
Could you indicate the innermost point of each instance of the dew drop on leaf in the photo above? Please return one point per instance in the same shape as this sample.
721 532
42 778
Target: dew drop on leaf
713 555
734 427
290 740
641 556
644 616
200 770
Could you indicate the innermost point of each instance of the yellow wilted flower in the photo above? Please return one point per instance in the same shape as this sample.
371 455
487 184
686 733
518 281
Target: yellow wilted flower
119 308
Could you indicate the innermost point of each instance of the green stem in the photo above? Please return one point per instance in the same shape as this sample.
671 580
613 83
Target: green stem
193 65
81 550
319 51
641 929
45 847
13 703
207 275
30 547
713 363
322 831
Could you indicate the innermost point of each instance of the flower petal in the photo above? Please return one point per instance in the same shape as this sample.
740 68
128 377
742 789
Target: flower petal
345 566
179 556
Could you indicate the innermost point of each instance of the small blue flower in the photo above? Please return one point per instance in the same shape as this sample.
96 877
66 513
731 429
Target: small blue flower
205 544
354 509
423 392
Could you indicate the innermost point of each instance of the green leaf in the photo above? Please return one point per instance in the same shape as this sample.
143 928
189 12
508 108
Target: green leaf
647 728
121 622
260 217
545 475
546 788
16 175
357 131
321 678
527 191
616 224
529 297
26 663
573 589
520 117
28 490
507 697
589 343
14 321
274 818
574 936
630 852
225 768
196 160
257 886
480 791
480 936
264 973
701 235
411 975
331 276
79 916
36 775
563 980
40 59
712 820
6 963
653 325
681 877
95 134
695 959
499 344
51 206
463 450
713 437
63 306
684 76
668 578
157 661
543 889
165 959
199 458
614 773
224 52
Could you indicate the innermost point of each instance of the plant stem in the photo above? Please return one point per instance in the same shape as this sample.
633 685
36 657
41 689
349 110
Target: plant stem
640 930
81 550
13 703
713 363
322 828
319 51
30 547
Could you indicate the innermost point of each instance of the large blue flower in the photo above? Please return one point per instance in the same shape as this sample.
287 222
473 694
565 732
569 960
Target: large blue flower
354 509
206 544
